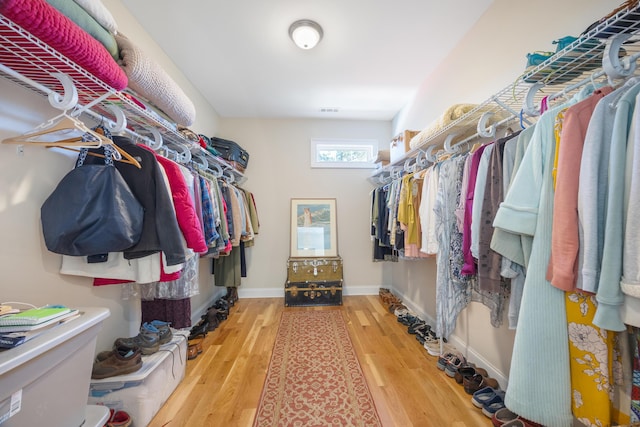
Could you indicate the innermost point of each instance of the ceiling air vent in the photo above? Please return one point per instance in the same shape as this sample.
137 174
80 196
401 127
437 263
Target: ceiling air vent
328 110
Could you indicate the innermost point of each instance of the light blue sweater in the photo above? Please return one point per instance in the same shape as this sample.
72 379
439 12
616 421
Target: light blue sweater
609 295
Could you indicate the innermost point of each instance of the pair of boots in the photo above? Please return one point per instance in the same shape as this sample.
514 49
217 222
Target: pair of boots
232 296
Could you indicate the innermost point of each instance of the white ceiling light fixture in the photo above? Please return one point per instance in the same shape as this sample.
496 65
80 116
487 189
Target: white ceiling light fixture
306 34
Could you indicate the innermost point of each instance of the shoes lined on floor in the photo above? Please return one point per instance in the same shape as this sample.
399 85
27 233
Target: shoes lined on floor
485 391
210 321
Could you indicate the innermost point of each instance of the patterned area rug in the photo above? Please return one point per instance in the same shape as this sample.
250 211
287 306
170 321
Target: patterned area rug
314 378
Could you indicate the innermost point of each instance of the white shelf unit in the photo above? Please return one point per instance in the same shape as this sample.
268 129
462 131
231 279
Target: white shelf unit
31 63
567 70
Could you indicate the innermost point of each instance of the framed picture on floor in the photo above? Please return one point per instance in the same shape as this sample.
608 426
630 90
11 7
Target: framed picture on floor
313 228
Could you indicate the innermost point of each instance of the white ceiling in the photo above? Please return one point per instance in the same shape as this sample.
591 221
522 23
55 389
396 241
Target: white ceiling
372 59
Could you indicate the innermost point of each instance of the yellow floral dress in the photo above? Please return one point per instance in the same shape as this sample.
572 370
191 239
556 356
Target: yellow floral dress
595 364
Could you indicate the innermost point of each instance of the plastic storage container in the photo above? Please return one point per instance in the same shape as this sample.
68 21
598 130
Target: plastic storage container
141 394
44 382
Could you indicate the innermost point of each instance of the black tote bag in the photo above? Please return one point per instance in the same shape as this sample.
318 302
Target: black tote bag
92 211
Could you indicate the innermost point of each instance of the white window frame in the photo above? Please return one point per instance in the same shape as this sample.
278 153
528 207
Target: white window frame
323 143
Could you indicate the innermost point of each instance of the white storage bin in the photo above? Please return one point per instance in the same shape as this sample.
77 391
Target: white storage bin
141 394
44 382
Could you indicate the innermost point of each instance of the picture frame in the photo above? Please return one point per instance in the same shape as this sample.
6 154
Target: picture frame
313 228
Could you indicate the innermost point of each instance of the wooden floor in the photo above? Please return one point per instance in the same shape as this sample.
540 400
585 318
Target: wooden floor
222 386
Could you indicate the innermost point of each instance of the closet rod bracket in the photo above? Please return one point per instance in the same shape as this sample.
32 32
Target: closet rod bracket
613 67
483 130
529 107
447 143
69 98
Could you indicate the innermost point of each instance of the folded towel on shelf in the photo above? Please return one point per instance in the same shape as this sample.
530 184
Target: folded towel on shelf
49 25
77 14
100 13
450 115
148 79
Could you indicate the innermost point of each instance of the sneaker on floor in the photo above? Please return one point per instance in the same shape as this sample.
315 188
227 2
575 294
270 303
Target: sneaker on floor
432 345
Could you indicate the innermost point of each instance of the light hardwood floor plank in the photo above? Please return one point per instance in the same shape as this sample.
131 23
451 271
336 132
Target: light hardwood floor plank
223 385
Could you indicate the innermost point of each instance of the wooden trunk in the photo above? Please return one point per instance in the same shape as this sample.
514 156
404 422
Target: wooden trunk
321 292
303 269
313 281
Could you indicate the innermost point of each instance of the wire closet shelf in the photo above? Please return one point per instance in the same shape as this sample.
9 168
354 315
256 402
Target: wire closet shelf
609 50
27 61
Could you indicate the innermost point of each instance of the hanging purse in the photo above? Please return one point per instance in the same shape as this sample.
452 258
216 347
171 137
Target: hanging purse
92 211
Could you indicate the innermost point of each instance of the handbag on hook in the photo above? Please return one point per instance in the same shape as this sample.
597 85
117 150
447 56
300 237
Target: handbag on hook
91 211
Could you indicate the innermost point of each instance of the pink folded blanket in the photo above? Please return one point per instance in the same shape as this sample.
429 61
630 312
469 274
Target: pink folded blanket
53 28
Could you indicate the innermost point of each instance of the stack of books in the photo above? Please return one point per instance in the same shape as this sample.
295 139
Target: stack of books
18 328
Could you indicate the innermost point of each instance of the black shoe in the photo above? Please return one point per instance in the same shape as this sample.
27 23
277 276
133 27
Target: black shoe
222 304
201 328
211 317
229 298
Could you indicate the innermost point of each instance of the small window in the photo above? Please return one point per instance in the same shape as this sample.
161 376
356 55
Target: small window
343 153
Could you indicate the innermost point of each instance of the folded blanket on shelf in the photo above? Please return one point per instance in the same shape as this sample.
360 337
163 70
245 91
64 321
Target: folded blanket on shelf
464 117
148 79
450 115
100 13
73 11
49 25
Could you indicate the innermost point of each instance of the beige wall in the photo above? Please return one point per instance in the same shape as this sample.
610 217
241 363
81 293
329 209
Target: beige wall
279 169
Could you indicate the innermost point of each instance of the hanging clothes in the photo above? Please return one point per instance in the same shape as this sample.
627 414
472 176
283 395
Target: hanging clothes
453 292
630 281
609 293
592 194
160 227
563 264
541 342
429 244
469 268
379 220
183 204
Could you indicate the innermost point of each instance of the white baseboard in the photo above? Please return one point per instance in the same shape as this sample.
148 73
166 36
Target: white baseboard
470 353
260 292
279 292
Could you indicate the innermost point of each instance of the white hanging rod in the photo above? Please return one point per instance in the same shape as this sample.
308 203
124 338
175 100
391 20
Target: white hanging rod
476 135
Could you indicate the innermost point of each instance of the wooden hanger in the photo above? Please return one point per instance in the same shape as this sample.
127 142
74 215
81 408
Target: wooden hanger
65 124
475 147
444 156
124 156
59 124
